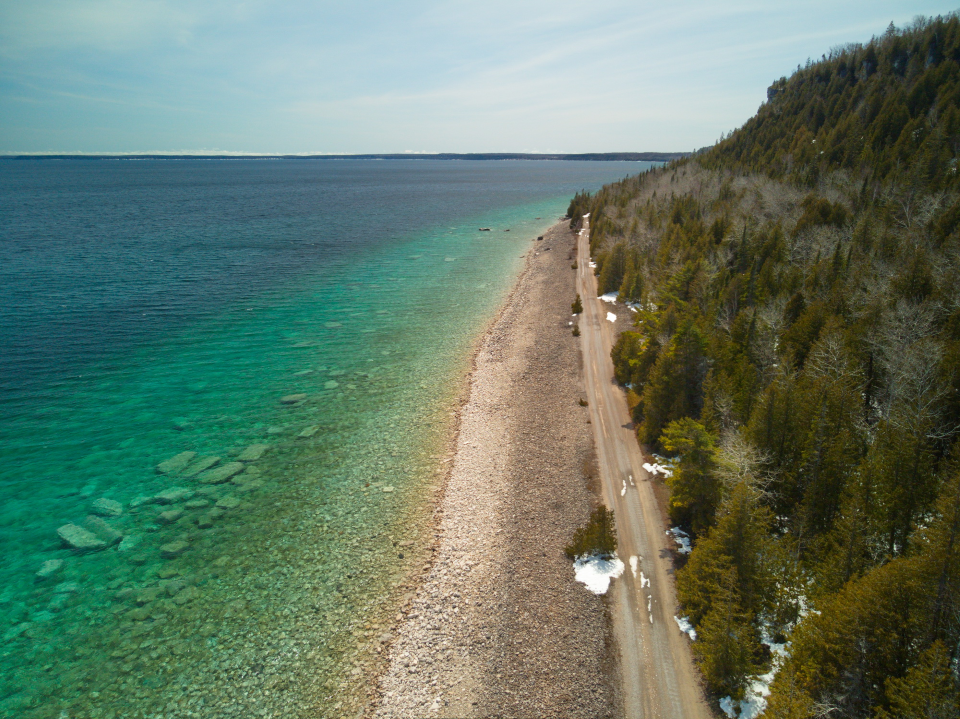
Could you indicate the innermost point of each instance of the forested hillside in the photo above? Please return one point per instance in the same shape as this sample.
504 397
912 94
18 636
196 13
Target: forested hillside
798 350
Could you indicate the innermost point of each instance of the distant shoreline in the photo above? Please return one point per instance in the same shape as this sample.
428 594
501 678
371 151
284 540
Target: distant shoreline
584 157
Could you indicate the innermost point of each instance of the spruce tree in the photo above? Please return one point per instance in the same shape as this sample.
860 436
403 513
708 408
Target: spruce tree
694 487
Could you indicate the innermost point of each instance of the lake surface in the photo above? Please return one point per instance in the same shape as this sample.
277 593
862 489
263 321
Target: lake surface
294 334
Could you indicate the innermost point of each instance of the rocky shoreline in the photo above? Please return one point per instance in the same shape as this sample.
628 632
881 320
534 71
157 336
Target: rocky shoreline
497 626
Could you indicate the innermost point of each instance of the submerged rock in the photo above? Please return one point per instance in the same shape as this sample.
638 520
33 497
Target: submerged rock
170 516
197 504
201 465
185 595
176 463
219 475
173 549
172 495
80 539
228 502
129 542
140 502
49 568
147 595
58 602
104 507
253 452
250 486
66 588
16 631
140 614
293 398
103 530
308 432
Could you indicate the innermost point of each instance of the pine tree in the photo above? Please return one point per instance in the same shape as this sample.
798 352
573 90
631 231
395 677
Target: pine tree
929 690
727 643
675 386
694 487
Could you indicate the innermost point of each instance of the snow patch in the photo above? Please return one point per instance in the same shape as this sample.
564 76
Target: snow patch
592 264
633 568
657 468
681 538
644 580
727 707
686 627
612 317
754 701
660 465
623 490
610 297
596 572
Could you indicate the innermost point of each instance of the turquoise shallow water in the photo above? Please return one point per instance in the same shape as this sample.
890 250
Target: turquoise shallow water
325 381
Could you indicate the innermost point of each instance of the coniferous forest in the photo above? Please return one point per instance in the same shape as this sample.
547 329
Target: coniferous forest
797 350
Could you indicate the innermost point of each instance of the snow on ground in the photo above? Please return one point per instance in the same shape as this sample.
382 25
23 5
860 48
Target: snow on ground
754 701
596 572
686 627
610 297
681 538
633 566
612 317
592 264
660 465
658 468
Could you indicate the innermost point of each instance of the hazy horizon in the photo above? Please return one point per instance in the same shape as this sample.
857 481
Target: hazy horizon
216 77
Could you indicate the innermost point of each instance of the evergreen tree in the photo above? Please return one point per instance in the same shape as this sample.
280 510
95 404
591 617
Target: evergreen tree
929 690
674 389
727 643
694 487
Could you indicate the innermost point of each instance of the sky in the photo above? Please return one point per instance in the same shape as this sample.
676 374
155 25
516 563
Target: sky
356 76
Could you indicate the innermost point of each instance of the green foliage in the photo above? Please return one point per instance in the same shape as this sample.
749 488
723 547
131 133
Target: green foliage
928 690
727 644
576 330
577 306
598 537
799 348
738 543
694 486
612 266
820 211
675 386
890 106
579 206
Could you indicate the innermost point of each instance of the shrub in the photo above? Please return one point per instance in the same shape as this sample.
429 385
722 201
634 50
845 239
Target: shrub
577 306
599 537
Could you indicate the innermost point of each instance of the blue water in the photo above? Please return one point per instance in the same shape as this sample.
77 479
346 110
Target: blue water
152 308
